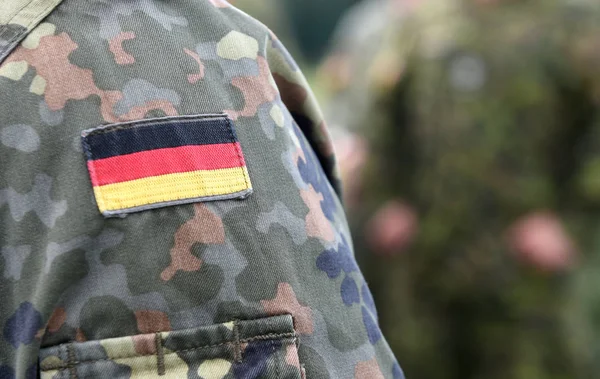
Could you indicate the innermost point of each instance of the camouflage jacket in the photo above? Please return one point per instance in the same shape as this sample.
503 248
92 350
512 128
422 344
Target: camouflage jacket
482 112
168 201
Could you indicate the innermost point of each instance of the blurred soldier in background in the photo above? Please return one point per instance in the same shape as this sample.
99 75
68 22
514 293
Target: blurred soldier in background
358 38
481 183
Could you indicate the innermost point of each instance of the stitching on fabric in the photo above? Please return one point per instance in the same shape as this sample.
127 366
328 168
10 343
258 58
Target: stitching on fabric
208 188
229 124
149 122
86 147
71 362
88 153
174 193
297 343
140 208
270 336
160 355
264 337
276 360
237 318
237 352
62 352
262 318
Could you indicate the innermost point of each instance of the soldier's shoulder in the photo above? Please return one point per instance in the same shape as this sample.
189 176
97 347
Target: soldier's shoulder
19 18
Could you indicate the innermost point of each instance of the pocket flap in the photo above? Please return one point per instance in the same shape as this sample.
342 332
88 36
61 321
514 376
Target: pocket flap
238 349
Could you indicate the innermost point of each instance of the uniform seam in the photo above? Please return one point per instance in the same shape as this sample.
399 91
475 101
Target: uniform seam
207 188
160 354
71 361
276 360
237 352
113 212
178 198
263 337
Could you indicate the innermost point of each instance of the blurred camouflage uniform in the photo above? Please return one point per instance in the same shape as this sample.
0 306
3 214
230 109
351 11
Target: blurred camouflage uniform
258 282
359 37
483 112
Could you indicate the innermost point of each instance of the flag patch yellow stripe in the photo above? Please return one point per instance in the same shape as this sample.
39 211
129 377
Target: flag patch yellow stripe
172 188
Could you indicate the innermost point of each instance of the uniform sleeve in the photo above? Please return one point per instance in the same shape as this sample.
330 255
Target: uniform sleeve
303 106
169 204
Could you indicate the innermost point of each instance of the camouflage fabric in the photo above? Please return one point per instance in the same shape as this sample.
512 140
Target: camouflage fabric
481 113
268 347
18 18
261 286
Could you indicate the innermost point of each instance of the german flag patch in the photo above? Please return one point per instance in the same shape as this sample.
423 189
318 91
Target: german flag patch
140 165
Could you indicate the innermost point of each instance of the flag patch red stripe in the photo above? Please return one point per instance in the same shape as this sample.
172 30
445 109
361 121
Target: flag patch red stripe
165 161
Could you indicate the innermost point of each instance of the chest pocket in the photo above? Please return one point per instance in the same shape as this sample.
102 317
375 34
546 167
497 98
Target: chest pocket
261 348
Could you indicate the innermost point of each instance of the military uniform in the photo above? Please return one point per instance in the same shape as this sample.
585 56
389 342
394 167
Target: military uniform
481 114
359 37
168 201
